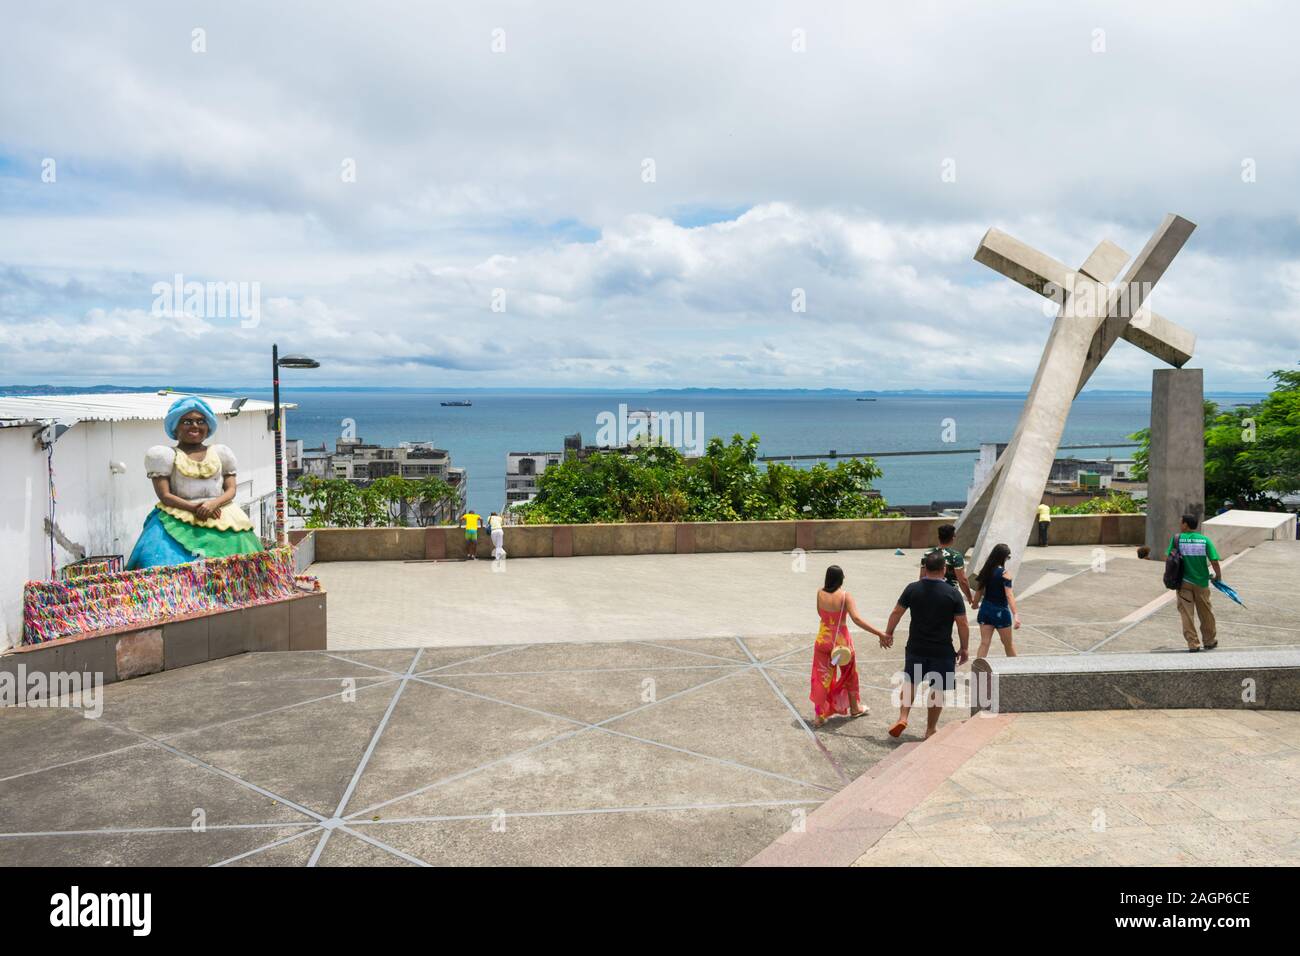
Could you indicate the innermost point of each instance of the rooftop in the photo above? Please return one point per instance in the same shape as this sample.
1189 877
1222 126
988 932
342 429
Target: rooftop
111 407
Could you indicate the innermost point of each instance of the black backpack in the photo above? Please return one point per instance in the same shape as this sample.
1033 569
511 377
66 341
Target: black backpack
1174 566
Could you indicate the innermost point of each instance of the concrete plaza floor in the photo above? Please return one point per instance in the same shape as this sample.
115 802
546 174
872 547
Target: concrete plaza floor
654 711
1072 599
1115 788
683 752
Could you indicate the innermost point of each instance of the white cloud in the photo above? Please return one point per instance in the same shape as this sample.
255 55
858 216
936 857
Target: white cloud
479 171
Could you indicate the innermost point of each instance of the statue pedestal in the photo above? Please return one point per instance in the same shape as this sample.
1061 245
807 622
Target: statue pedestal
1176 466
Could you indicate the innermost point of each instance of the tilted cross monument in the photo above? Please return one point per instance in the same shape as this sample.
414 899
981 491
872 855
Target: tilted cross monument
1092 316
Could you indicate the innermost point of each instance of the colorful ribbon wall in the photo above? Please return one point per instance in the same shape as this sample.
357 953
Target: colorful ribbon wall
55 609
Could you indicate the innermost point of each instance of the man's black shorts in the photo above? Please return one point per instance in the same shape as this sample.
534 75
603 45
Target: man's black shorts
917 667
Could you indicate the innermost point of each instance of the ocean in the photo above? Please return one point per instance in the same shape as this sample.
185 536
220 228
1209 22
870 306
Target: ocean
787 423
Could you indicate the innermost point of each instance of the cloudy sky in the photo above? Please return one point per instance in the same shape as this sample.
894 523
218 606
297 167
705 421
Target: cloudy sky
620 194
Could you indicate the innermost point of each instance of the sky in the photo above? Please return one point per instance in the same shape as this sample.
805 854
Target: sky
726 194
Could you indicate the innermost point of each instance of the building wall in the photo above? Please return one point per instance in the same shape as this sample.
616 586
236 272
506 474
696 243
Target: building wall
97 510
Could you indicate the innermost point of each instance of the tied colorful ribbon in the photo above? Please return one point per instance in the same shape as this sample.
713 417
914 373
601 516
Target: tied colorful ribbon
55 609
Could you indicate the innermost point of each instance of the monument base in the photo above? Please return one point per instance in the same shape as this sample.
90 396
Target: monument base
1176 461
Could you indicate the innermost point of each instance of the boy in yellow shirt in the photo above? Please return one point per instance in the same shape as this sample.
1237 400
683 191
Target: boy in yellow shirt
471 520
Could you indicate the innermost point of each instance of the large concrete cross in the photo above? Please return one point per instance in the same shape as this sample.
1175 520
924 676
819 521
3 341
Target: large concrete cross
1092 316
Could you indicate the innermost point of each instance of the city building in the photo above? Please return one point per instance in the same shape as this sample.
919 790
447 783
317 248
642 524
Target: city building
355 460
522 469
1072 480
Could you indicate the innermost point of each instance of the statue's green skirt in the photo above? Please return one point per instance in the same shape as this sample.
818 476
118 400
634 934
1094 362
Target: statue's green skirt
209 542
167 540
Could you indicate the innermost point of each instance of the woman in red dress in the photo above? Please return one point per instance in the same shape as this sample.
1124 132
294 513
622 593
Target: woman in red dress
834 679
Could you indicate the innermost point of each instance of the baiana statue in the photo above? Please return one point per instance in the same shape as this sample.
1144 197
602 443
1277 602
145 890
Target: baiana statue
195 516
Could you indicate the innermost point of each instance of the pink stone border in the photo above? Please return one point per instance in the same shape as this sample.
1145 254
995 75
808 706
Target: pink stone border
854 820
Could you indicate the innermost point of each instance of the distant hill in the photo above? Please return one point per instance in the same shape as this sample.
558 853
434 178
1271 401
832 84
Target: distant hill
754 392
103 389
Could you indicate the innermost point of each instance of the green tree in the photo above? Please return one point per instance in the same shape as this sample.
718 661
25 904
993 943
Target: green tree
397 495
726 483
336 503
430 493
1114 503
1252 453
1273 458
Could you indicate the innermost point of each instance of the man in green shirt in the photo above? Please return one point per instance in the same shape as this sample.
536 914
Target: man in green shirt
954 565
1199 554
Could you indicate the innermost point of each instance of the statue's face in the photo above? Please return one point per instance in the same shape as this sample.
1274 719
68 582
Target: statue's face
192 429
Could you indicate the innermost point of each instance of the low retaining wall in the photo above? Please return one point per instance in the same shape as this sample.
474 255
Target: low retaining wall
293 624
562 541
1235 531
149 597
1242 680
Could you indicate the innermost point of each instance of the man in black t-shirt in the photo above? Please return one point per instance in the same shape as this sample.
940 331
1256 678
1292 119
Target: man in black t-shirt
929 655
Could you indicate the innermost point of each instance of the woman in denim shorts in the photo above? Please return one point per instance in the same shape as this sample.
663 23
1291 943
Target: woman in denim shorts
998 604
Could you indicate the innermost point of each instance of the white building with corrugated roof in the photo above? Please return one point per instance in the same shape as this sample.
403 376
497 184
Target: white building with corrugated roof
73 485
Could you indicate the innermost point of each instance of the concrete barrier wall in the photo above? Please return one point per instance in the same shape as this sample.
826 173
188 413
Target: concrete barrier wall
293 624
1235 531
1037 683
546 541
304 550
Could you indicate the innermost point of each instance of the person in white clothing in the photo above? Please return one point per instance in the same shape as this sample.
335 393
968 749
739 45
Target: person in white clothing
496 527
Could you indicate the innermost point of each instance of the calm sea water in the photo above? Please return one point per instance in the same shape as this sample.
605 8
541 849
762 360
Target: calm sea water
479 437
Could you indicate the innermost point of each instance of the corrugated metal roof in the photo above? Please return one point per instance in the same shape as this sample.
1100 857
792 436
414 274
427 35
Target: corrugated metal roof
110 407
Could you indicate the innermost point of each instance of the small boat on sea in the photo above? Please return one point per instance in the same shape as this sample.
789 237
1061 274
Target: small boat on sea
464 403
866 399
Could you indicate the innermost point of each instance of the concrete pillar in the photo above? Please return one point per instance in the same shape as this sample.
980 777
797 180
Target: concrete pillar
1176 466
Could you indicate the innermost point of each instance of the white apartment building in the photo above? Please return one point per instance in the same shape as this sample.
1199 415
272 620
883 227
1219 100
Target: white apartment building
522 469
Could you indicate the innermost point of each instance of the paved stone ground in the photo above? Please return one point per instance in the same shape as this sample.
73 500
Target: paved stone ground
641 747
1073 599
686 752
1110 788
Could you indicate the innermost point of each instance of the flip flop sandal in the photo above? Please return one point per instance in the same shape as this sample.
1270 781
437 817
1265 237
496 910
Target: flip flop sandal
898 728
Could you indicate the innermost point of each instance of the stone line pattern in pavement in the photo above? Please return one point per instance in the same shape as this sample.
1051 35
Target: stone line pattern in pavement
685 752
1072 599
1110 788
1126 609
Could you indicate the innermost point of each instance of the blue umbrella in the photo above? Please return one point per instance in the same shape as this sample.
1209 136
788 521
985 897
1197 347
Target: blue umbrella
1228 591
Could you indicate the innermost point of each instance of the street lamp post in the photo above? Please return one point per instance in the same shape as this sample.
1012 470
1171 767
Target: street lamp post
277 363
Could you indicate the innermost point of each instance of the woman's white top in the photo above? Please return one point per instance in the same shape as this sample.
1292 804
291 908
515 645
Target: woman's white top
199 480
190 479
